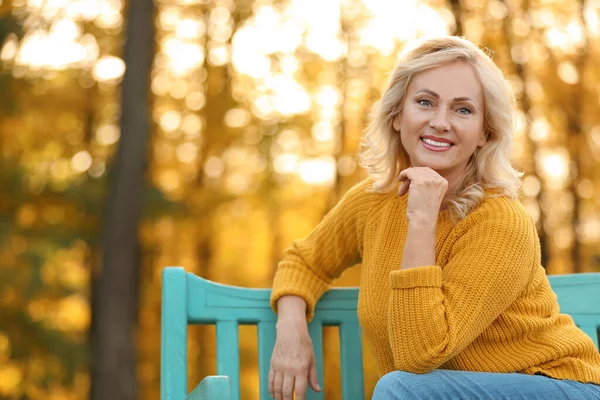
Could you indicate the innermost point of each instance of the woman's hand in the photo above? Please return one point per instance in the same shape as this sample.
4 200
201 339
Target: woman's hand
427 191
293 364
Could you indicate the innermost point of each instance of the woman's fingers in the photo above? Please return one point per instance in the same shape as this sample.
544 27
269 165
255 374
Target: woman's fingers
287 390
405 177
282 386
278 385
300 387
313 379
404 186
403 174
422 176
271 381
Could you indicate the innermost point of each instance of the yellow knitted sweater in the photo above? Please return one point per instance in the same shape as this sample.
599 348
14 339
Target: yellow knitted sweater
486 306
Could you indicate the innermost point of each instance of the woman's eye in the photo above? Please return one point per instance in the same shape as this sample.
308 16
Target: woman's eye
424 102
464 110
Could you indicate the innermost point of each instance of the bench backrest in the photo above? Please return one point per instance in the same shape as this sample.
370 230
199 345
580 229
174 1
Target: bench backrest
189 299
579 296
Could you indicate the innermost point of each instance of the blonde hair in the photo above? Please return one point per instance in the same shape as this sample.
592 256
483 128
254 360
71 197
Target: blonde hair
489 171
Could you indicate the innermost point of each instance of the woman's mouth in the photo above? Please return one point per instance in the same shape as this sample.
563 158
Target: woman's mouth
434 145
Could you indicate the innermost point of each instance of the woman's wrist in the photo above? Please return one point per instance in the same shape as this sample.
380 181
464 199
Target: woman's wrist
423 225
291 310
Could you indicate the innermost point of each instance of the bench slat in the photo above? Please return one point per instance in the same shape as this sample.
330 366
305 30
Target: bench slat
315 329
351 361
228 355
266 341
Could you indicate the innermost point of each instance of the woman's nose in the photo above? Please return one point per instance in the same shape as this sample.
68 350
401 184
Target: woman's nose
439 121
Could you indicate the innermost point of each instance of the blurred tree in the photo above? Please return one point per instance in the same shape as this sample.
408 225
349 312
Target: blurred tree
457 10
115 284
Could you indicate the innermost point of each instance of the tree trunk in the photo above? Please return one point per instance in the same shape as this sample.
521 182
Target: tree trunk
457 11
115 286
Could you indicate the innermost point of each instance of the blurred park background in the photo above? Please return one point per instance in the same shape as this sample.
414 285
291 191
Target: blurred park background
210 134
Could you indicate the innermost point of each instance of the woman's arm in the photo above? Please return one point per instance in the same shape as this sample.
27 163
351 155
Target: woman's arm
419 248
310 265
426 189
434 313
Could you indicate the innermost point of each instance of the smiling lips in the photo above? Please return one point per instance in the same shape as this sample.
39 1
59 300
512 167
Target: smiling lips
436 144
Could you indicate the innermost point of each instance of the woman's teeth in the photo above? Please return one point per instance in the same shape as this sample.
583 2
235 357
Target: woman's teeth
434 143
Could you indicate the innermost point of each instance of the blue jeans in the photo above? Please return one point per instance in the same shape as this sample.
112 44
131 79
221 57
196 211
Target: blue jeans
467 385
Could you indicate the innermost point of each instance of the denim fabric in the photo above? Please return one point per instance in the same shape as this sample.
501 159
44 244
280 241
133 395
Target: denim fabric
466 385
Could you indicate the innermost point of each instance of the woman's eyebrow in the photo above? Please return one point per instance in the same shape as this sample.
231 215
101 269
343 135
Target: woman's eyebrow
437 96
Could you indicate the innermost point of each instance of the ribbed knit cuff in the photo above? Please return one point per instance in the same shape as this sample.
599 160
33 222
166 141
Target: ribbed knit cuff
292 279
427 276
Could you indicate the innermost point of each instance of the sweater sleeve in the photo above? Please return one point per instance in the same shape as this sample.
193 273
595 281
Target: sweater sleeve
310 265
435 312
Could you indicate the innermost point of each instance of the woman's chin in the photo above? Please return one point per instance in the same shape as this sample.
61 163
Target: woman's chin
437 167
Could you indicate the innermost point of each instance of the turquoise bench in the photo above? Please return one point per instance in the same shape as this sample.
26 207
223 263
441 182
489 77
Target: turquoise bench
189 299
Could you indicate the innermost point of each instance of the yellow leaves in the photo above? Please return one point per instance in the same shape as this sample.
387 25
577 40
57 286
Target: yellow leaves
76 276
26 215
38 309
109 70
168 180
7 257
9 298
246 238
29 379
237 118
35 384
4 347
11 376
60 173
36 368
164 228
68 268
53 215
187 152
69 314
81 161
18 244
554 166
54 392
53 150
11 45
108 134
567 71
72 314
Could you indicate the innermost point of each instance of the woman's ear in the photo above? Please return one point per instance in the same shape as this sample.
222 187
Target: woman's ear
396 122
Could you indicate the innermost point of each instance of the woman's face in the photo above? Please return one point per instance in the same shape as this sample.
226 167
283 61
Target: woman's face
441 123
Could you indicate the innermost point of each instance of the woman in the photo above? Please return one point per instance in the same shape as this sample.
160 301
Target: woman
453 299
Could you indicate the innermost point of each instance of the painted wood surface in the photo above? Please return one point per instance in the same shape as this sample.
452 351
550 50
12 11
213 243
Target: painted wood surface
189 299
212 388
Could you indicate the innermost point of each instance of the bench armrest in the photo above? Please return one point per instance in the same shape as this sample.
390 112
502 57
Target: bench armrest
216 387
